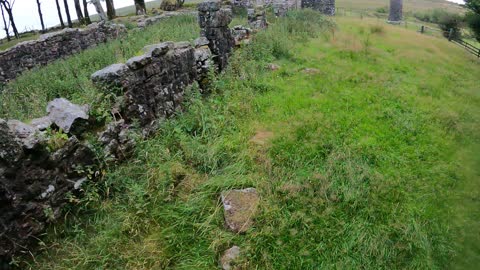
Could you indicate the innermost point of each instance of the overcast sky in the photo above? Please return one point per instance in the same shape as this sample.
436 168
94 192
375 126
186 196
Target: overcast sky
26 14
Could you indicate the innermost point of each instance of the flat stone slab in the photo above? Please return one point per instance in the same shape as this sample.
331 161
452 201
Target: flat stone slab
240 206
71 118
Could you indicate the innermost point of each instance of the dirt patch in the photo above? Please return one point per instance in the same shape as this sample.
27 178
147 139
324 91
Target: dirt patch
262 137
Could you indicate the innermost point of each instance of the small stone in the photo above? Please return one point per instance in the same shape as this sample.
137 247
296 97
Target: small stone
240 206
229 257
311 71
273 67
71 118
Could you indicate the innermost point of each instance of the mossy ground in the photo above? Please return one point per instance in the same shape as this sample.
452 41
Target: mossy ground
371 162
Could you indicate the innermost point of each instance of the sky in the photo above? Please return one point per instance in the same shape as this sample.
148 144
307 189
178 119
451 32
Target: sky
26 14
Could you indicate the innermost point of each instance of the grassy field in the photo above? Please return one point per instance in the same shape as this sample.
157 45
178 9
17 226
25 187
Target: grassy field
409 5
363 147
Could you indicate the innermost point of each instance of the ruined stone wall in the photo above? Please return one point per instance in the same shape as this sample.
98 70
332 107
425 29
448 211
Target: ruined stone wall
324 6
52 46
396 11
153 83
37 170
39 165
214 21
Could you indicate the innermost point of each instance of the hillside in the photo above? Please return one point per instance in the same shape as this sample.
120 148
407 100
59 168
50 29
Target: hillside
362 143
409 5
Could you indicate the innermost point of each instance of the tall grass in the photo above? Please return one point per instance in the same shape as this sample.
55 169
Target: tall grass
27 96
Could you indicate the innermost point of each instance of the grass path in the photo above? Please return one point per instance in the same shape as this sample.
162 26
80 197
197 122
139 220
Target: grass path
363 147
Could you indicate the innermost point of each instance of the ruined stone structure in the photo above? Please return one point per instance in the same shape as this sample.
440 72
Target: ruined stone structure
326 7
39 165
37 169
280 7
257 19
52 46
214 22
396 11
153 83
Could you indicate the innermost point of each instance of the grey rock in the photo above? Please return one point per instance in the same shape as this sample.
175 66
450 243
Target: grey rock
139 62
112 75
41 123
240 207
20 129
200 42
229 257
10 148
158 50
117 142
71 118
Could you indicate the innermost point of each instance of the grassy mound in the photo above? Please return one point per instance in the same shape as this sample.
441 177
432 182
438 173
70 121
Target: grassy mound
362 147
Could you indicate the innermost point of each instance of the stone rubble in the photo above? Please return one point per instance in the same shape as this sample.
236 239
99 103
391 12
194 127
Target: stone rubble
240 207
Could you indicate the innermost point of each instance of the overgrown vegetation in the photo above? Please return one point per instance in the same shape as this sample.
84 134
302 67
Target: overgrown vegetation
367 159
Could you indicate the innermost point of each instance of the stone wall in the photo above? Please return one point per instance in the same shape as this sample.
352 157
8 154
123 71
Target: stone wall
214 21
52 46
43 161
37 169
324 6
153 83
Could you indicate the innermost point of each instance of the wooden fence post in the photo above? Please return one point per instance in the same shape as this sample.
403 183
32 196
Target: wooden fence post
422 29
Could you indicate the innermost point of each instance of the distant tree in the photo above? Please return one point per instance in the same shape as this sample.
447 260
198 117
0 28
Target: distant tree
6 26
69 19
85 12
41 16
473 17
8 7
110 9
59 10
78 10
473 5
140 7
99 9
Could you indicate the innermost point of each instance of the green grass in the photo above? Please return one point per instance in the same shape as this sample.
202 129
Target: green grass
369 161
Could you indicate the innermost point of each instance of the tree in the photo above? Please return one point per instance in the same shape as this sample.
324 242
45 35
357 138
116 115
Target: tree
60 14
473 17
78 10
85 12
8 7
473 5
41 16
110 9
99 9
140 7
7 27
69 20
